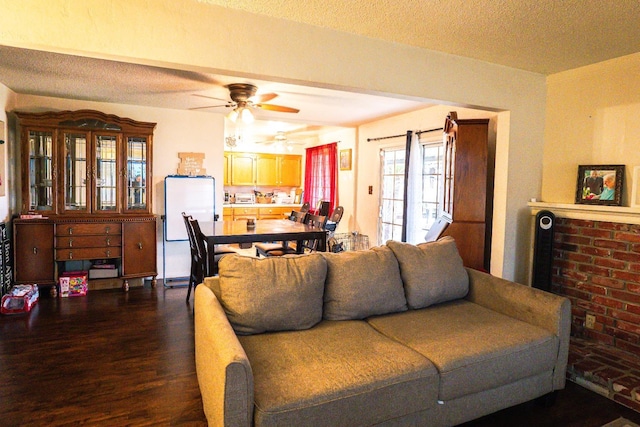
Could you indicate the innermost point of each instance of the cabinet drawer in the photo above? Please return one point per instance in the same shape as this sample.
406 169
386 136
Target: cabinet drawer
245 211
273 213
80 241
71 229
87 253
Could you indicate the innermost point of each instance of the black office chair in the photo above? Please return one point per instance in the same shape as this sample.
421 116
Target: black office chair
437 228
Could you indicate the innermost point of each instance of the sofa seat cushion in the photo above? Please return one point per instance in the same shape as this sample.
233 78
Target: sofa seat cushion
362 284
432 272
474 348
337 373
272 294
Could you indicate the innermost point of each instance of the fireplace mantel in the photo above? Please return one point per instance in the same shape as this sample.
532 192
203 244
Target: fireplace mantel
619 214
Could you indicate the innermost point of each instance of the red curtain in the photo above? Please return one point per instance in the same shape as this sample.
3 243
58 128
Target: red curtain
321 175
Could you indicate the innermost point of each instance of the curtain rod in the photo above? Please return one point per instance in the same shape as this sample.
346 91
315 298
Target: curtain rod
419 132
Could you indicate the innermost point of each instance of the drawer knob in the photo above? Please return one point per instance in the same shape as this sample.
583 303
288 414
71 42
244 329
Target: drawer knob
70 243
70 230
107 230
108 241
35 251
70 255
140 245
108 253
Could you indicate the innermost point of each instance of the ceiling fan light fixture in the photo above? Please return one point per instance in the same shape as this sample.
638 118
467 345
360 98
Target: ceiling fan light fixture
233 115
246 115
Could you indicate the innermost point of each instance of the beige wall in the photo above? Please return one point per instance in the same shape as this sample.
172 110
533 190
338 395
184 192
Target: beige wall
193 35
592 118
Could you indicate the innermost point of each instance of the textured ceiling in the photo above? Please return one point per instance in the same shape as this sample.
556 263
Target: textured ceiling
543 36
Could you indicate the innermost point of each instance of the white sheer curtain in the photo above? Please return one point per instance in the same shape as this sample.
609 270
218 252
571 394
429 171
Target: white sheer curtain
415 233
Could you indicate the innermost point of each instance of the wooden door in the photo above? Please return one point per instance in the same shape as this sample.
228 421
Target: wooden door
139 248
33 252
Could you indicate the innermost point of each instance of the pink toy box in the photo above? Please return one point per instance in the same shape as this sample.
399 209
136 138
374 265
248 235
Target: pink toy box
72 284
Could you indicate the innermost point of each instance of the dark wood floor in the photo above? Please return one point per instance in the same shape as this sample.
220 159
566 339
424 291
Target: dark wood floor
126 359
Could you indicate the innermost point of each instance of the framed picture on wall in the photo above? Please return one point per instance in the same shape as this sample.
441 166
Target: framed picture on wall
600 184
345 159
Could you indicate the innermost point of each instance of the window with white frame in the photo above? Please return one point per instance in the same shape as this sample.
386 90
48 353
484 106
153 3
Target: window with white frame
392 188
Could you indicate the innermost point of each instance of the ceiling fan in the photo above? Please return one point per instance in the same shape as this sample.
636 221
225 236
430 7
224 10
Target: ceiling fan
280 138
242 102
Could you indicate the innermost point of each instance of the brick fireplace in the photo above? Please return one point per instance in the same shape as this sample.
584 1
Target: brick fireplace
597 265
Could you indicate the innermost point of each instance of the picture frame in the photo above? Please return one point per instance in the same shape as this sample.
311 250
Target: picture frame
600 185
345 159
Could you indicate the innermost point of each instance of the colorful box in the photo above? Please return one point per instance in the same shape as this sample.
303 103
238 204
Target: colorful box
72 284
20 299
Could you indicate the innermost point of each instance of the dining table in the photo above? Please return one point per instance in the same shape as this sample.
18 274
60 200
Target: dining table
264 230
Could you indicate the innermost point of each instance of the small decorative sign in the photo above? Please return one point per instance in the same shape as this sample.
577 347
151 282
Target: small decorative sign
191 164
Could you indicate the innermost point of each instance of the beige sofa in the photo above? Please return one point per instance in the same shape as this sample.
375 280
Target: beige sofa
396 335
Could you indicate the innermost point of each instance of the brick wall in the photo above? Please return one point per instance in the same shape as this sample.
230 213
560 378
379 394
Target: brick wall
597 265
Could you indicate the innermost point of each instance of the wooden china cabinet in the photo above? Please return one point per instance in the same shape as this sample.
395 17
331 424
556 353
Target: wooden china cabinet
89 175
466 196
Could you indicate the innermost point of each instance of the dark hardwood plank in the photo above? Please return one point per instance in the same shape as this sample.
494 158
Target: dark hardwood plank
127 359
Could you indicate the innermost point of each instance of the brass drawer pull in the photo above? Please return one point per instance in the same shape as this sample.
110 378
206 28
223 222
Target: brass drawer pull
70 243
70 255
140 245
35 251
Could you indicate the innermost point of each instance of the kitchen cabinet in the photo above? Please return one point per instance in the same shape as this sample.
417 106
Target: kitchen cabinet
257 212
226 168
227 214
243 169
275 170
466 195
90 175
244 213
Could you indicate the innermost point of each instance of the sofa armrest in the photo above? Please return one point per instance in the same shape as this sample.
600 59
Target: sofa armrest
534 306
224 372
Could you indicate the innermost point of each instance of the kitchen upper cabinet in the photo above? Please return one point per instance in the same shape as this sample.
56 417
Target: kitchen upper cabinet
289 170
267 169
243 169
275 170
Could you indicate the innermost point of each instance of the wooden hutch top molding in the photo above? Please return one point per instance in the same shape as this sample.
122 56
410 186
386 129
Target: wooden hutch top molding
81 119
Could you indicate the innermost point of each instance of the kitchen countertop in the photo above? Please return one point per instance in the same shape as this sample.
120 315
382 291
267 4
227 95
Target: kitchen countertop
262 205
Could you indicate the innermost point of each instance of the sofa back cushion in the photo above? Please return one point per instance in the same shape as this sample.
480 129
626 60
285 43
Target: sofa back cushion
272 294
362 284
432 272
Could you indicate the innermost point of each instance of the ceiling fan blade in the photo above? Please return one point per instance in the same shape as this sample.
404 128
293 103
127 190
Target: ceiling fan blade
280 108
209 106
211 97
265 97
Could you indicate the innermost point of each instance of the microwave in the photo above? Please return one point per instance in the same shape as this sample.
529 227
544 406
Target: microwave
245 198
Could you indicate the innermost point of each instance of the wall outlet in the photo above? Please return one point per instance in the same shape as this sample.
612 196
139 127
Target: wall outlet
590 321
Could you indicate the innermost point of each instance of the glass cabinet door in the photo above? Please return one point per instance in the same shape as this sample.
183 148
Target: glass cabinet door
136 182
76 179
106 173
41 171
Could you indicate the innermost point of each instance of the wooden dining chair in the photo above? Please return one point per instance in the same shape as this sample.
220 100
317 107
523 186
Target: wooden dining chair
200 267
198 255
281 248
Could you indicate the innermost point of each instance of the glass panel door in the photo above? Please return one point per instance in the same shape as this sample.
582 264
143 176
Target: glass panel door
392 195
106 173
136 174
41 171
76 188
